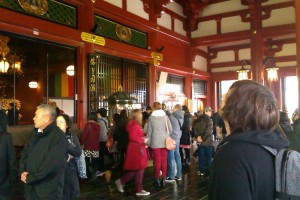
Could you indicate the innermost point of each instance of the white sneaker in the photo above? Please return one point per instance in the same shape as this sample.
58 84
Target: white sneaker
99 173
142 193
119 185
170 180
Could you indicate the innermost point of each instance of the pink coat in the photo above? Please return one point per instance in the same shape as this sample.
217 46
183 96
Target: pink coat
136 155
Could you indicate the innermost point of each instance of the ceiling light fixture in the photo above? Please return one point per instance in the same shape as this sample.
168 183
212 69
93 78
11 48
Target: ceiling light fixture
33 84
70 70
243 72
9 62
272 70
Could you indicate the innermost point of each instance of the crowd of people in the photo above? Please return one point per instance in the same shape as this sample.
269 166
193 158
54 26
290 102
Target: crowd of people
248 118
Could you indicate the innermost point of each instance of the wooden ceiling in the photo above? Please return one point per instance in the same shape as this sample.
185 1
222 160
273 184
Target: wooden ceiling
272 36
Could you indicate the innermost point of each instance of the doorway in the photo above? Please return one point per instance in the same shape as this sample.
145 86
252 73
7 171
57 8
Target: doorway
290 90
111 76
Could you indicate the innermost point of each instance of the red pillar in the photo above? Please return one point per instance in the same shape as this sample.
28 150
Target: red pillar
188 80
85 24
208 93
152 84
256 41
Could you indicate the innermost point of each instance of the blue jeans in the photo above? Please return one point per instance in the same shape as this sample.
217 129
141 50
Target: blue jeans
204 157
174 154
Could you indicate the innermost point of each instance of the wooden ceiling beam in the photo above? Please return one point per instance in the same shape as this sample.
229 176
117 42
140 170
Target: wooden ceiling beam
238 63
213 52
246 46
245 11
209 1
280 30
223 15
222 38
155 8
201 53
192 10
225 64
267 32
284 41
285 58
230 48
175 15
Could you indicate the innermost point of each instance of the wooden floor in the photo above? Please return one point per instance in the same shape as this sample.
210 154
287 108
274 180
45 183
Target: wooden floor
191 187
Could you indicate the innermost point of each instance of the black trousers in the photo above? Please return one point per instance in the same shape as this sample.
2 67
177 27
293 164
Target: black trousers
105 158
102 152
187 158
91 166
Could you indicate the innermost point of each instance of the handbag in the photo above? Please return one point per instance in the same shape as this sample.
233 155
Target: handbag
80 162
110 141
81 165
170 143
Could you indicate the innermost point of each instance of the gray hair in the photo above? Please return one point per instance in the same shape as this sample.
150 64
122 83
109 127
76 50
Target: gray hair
50 110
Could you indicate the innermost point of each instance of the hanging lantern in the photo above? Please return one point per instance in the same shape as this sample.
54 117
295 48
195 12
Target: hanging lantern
272 73
4 66
270 67
243 72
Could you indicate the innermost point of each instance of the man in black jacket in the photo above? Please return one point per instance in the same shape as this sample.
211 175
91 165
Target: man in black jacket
3 119
43 159
8 165
203 129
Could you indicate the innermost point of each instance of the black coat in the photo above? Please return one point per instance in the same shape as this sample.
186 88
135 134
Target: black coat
218 121
121 135
187 122
71 183
44 158
3 121
244 170
8 165
12 117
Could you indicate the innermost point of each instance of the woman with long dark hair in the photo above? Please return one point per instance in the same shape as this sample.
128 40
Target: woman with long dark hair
71 183
185 140
121 137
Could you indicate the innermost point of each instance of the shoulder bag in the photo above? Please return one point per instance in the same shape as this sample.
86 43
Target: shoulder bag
81 165
110 140
170 143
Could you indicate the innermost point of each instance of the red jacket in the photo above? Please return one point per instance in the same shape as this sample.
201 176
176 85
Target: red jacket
90 136
136 155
